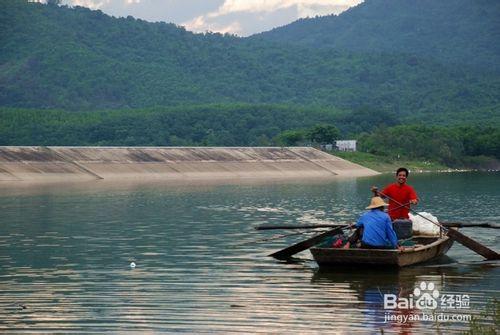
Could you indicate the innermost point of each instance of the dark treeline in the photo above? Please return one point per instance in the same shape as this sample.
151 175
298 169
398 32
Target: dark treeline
246 125
211 125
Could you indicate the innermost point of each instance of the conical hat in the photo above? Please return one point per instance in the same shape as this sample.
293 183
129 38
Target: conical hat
376 202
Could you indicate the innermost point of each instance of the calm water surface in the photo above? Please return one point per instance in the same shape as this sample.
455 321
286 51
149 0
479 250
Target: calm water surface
65 254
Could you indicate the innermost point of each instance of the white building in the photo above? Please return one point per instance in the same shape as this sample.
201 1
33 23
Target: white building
346 145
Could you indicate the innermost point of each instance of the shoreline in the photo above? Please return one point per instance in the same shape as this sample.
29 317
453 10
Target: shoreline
386 164
450 170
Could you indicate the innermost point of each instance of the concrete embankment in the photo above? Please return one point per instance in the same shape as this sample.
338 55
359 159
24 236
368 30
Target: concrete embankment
176 163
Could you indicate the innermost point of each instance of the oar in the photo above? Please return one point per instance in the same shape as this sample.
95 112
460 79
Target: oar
298 226
270 239
469 225
304 245
322 225
331 225
456 235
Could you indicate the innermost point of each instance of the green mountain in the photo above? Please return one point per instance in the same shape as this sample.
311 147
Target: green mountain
459 32
79 59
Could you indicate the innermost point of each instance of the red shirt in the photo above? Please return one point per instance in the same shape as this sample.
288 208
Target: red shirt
402 194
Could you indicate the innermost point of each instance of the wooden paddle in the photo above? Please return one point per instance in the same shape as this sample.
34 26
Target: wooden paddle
298 226
331 225
470 225
455 235
304 245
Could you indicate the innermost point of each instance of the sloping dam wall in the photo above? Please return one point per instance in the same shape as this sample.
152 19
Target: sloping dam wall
176 163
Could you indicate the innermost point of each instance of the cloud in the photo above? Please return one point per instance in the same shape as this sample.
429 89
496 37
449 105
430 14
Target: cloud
199 24
99 4
92 4
308 10
259 6
241 17
263 10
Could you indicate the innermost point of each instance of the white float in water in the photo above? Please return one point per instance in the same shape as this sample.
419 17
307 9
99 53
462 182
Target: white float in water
132 265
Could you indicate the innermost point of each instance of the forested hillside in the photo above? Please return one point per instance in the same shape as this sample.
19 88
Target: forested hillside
254 125
416 79
75 58
459 32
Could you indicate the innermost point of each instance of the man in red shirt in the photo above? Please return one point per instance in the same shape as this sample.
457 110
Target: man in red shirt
402 193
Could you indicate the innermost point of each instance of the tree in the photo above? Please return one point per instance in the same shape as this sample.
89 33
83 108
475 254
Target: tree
323 133
290 137
54 2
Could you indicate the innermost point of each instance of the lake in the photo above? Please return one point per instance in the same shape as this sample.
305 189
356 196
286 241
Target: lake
201 267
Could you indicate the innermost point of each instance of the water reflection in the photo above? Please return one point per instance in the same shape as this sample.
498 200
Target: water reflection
371 284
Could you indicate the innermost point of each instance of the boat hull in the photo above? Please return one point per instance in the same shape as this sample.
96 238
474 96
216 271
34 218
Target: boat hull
434 248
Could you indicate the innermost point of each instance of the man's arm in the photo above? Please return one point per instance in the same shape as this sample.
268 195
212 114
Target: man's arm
391 234
356 235
413 196
358 224
385 192
361 222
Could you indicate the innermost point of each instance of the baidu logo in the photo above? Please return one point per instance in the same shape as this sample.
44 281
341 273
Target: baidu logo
425 296
426 302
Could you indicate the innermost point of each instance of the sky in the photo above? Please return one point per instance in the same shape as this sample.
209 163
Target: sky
239 17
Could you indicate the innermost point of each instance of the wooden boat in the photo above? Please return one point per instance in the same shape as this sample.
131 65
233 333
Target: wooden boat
426 248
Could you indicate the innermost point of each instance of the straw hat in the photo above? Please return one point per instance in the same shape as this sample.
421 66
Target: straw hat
376 202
